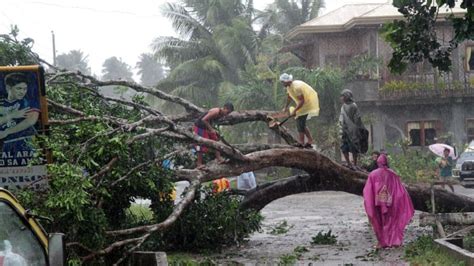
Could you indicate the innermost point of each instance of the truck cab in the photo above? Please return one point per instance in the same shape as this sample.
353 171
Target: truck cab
22 239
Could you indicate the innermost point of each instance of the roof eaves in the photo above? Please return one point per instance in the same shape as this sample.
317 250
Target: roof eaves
373 20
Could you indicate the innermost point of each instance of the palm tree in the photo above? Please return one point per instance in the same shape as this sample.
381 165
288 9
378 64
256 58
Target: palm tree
283 15
74 60
115 68
216 42
150 70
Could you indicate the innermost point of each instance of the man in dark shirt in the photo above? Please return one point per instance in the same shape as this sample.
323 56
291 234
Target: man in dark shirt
350 122
203 127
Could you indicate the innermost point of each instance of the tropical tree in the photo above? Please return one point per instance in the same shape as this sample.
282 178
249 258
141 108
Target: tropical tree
415 39
283 15
115 68
15 52
150 70
216 41
74 60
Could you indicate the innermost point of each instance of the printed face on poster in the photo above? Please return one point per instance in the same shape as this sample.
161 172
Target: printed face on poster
23 115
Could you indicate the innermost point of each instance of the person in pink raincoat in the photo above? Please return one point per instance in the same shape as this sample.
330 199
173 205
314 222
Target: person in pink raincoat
387 204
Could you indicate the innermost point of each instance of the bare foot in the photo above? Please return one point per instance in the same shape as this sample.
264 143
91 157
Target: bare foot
378 246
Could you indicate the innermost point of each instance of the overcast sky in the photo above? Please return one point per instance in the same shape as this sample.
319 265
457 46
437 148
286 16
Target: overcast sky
99 28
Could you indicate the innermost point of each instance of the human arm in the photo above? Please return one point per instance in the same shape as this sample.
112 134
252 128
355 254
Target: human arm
299 105
30 120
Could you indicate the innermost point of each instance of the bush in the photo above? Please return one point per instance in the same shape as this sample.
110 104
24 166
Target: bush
211 222
413 165
424 252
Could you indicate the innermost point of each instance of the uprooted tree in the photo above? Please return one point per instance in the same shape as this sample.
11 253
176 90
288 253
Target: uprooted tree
131 130
108 150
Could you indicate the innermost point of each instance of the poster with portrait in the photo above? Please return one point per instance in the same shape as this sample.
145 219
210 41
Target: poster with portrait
23 115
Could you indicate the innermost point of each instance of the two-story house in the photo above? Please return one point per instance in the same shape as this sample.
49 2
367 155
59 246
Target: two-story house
422 105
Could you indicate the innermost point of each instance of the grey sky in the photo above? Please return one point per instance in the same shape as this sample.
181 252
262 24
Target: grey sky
99 28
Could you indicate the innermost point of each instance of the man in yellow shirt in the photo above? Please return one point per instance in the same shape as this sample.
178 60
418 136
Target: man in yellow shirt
307 105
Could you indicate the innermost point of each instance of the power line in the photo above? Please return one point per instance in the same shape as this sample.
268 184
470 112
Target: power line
121 12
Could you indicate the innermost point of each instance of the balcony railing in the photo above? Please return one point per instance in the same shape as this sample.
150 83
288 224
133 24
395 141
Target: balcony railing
425 93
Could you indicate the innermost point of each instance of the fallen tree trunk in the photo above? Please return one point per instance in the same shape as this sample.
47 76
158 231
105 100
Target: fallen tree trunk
323 174
457 218
420 194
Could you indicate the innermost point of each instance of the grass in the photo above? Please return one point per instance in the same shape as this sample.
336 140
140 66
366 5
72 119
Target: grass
423 251
140 212
186 259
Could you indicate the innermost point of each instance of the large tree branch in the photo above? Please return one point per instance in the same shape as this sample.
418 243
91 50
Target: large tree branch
189 106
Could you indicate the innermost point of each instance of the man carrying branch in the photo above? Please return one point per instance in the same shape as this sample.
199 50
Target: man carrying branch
203 128
307 106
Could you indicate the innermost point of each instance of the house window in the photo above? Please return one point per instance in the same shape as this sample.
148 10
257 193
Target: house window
470 129
422 133
469 59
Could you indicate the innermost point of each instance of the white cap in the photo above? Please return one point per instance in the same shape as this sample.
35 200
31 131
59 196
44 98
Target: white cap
286 77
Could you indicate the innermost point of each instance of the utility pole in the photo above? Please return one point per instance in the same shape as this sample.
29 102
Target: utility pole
54 48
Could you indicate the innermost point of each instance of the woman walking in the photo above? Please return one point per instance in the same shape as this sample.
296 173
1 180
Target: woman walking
388 205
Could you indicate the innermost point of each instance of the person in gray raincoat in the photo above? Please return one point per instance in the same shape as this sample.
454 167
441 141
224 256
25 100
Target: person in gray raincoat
350 124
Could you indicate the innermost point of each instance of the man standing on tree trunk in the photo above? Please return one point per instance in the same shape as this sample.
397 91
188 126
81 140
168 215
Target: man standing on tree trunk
307 106
350 122
203 128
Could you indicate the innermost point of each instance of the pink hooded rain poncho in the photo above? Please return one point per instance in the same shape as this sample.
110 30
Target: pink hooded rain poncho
387 204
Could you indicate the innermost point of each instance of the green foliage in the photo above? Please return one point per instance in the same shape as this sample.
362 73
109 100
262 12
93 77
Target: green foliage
412 165
299 250
208 224
415 39
423 251
468 242
139 214
400 85
324 238
183 259
216 42
363 66
288 259
281 228
16 52
283 15
115 69
150 70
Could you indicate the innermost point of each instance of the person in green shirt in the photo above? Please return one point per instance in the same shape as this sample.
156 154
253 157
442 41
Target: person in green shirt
445 167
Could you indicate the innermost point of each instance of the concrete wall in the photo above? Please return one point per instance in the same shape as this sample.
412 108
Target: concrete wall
390 120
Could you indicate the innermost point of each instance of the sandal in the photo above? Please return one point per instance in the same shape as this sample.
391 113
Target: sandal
308 146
